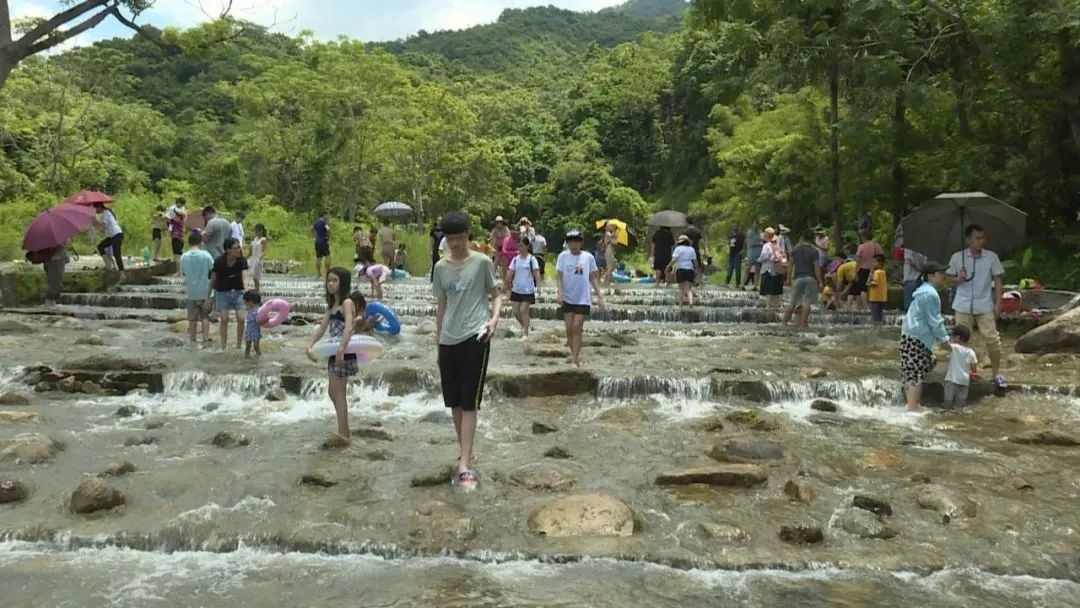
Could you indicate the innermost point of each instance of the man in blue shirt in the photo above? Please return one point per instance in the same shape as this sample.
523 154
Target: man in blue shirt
196 265
321 231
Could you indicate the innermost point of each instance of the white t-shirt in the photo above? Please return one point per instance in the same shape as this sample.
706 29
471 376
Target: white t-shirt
111 226
237 230
174 211
443 247
976 295
960 364
576 271
539 245
684 257
524 281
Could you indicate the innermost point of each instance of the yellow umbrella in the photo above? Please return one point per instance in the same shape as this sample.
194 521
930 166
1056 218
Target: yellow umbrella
622 232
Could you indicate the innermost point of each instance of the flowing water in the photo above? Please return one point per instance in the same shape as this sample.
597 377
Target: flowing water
210 526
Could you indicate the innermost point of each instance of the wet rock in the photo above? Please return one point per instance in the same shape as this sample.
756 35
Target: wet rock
91 388
1062 335
317 479
335 442
730 475
920 478
53 376
710 424
539 428
373 433
179 327
583 515
815 373
131 442
94 495
1023 485
14 327
751 390
19 418
754 419
402 381
883 460
171 341
547 351
1046 437
557 453
747 450
129 411
863 524
800 490
68 385
824 405
128 324
90 341
425 329
871 504
16 397
627 414
12 491
544 384
725 533
154 425
44 387
108 362
438 477
227 440
277 394
118 469
542 476
378 455
211 407
29 448
439 417
830 419
950 505
801 535
386 406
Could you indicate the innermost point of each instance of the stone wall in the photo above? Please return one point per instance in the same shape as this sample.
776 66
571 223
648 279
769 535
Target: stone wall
24 284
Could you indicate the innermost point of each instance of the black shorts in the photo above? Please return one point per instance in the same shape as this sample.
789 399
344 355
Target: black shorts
462 372
155 234
684 276
577 309
522 297
322 250
177 246
860 282
771 284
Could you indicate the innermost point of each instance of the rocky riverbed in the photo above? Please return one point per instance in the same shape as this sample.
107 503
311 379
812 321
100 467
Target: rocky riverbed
718 463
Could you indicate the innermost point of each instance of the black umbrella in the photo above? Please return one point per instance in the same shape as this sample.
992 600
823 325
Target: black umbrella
669 218
936 229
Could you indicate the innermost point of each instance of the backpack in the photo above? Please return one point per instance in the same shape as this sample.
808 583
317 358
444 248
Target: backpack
780 259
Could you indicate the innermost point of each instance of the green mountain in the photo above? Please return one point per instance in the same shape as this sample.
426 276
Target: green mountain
542 35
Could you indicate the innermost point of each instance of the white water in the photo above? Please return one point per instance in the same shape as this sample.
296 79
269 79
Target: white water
800 411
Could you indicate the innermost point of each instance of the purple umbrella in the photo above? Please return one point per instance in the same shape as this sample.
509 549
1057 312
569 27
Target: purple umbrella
55 226
88 197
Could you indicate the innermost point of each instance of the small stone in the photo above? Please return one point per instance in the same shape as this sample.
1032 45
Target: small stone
19 417
128 411
830 419
711 424
277 394
170 342
874 505
118 469
378 455
44 387
801 535
154 425
437 477
542 476
93 495
1046 437
29 448
824 405
726 533
863 524
375 434
131 442
12 491
732 475
317 479
211 407
815 373
68 384
920 478
386 406
623 415
557 453
800 490
16 397
758 421
439 417
335 442
539 428
947 503
882 460
747 450
90 341
227 440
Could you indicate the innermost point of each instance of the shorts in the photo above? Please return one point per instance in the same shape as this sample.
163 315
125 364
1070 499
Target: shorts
346 369
322 250
601 261
916 361
177 246
529 298
155 234
230 300
199 310
577 309
804 291
987 326
861 282
462 372
877 312
683 275
661 264
771 284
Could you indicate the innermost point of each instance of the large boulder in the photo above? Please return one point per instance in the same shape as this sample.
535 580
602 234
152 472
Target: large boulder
107 362
19 418
12 491
16 397
1062 335
730 475
402 381
28 448
94 495
227 440
583 515
1046 437
863 524
950 505
14 327
544 384
801 534
747 450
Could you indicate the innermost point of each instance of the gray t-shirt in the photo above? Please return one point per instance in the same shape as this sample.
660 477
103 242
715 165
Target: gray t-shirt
466 289
217 230
976 295
804 259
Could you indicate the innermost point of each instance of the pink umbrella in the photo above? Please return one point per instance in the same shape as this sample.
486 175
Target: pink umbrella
195 220
88 197
53 227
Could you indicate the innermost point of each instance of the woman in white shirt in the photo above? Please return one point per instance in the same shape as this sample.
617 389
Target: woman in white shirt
576 272
258 252
684 261
523 281
114 239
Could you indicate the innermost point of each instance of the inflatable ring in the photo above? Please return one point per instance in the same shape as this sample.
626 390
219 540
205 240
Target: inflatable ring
273 313
389 324
619 277
645 280
400 274
366 348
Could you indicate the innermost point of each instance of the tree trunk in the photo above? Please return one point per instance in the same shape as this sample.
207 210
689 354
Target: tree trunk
834 152
899 174
7 65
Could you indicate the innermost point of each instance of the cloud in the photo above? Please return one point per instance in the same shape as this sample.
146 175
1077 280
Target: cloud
24 10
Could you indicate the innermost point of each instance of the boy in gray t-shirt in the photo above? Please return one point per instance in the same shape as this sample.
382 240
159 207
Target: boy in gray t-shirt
462 282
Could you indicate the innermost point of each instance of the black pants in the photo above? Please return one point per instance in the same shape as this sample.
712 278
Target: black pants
434 261
116 243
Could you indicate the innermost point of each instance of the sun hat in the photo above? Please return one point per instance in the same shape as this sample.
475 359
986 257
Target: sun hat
499 218
784 229
819 229
682 239
769 232
574 235
525 220
933 268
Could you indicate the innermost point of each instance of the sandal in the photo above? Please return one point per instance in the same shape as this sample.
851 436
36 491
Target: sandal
467 480
999 381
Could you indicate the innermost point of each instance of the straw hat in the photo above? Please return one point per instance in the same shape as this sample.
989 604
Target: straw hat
499 219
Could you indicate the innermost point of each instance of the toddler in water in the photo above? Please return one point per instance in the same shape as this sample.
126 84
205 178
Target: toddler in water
963 365
400 257
252 331
374 273
828 294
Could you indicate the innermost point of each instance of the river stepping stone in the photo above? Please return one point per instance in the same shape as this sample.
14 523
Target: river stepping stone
727 475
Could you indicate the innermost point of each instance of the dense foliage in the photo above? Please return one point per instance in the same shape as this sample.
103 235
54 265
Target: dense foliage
789 111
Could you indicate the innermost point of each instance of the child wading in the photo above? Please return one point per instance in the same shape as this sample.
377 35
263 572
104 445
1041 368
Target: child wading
577 272
523 281
878 291
963 364
685 263
374 273
339 319
258 252
463 283
252 331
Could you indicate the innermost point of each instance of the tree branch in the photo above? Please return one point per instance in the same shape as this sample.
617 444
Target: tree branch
53 24
145 33
62 37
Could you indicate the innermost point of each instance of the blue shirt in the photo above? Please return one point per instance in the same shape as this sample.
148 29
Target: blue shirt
322 235
196 265
923 320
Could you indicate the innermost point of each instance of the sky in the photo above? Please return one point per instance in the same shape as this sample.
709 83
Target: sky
366 20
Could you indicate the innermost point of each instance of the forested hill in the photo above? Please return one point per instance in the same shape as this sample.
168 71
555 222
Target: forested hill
544 35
